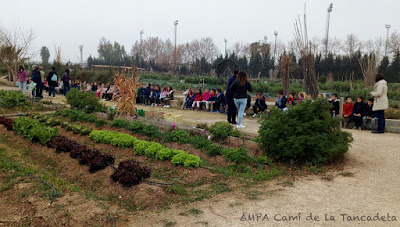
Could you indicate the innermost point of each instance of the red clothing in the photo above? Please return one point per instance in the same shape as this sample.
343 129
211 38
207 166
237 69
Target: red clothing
348 108
198 97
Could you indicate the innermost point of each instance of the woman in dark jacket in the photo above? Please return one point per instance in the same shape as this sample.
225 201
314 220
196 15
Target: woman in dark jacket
52 80
240 87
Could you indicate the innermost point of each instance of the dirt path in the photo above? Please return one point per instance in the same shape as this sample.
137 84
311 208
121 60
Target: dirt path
368 185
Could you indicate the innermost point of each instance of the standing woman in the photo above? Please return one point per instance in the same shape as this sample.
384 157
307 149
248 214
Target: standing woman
229 98
52 80
381 101
22 78
240 87
66 79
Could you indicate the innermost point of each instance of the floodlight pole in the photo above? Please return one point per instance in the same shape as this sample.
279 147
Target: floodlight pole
387 38
175 36
141 48
226 41
327 29
276 38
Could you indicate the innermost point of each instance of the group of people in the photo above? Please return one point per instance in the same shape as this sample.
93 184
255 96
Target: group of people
212 99
40 81
155 95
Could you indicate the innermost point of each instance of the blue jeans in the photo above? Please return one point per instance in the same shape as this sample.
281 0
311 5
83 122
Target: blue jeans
52 90
380 114
241 106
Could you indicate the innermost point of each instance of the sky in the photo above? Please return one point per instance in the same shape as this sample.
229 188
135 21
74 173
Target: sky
84 22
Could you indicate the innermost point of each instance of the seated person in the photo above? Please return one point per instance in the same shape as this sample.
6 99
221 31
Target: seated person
281 100
170 96
292 99
259 105
369 115
206 97
197 99
335 105
347 110
358 112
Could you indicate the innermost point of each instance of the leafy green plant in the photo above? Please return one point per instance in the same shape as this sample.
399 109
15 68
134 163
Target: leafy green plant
85 101
200 142
304 133
214 150
237 155
221 130
185 159
33 130
10 99
153 149
100 122
164 154
180 136
151 131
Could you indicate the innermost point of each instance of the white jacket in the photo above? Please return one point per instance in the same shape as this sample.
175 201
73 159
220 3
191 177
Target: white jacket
381 101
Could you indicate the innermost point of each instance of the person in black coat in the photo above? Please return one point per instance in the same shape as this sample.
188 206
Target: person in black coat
66 80
259 105
218 100
240 87
229 98
37 78
52 79
358 112
281 100
335 105
369 115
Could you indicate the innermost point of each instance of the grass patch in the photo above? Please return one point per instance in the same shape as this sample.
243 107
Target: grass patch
253 194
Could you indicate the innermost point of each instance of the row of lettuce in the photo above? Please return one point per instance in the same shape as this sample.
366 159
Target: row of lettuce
128 173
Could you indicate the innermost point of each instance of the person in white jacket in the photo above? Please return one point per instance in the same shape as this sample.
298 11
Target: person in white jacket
381 102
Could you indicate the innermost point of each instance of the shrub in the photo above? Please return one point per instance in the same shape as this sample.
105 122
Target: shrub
130 173
200 142
237 155
322 79
100 122
151 131
214 150
221 130
135 126
304 133
180 136
10 99
85 101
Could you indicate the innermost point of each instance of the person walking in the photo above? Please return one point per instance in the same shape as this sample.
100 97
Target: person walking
52 79
229 98
66 79
381 102
240 87
36 77
22 79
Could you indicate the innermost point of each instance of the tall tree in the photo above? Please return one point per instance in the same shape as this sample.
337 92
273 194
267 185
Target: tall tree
45 54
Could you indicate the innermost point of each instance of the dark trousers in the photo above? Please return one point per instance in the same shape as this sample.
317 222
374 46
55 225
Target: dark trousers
357 120
66 88
231 113
52 90
380 114
260 109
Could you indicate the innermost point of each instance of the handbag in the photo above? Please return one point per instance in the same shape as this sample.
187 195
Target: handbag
32 86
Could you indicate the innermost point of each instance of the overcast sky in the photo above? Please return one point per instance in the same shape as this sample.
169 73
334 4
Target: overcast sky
71 23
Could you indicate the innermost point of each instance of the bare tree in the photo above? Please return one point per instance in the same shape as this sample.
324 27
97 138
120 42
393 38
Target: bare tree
286 67
394 43
14 49
352 44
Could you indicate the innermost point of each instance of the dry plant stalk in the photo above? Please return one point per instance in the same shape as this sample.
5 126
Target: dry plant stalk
308 60
127 89
286 67
369 69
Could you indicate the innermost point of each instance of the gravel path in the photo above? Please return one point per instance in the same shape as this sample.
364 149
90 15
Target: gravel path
368 185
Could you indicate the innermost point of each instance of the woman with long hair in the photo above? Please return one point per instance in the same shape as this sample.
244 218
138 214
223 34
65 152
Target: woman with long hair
381 102
240 87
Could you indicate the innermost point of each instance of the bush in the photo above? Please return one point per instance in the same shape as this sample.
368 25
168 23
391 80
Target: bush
238 155
10 99
180 136
151 131
322 79
85 101
221 130
304 133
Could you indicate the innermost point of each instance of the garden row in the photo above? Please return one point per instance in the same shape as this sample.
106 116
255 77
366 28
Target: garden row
128 172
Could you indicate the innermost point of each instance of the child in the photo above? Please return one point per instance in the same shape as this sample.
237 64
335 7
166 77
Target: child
99 90
357 113
169 97
335 105
211 100
163 94
94 87
198 98
151 96
369 114
206 97
291 99
347 110
259 105
281 100
301 97
218 102
189 99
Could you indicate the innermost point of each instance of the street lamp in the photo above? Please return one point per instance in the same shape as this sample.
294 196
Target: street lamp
265 39
226 41
176 27
141 48
276 38
387 37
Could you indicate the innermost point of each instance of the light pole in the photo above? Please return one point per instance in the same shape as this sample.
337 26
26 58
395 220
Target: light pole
265 39
81 51
226 41
327 29
387 38
141 48
175 36
276 38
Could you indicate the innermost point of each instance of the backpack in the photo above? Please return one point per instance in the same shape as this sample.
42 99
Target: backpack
54 77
